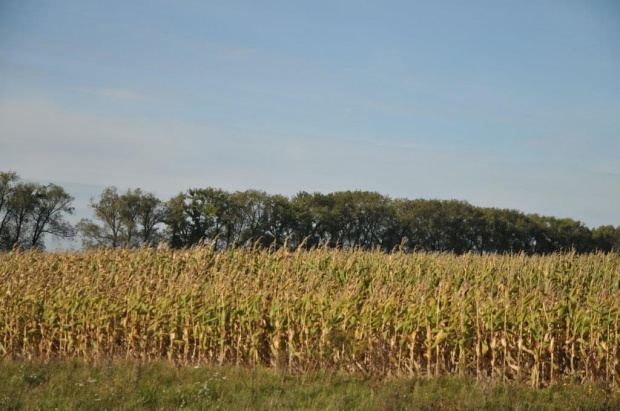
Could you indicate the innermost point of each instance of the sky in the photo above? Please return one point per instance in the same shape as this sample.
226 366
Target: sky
511 104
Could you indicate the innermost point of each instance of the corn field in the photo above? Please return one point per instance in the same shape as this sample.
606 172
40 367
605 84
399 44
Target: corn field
543 320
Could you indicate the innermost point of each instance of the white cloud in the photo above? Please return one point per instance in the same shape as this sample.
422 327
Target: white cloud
116 93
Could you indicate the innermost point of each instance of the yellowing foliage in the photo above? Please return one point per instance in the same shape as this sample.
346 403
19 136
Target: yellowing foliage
541 319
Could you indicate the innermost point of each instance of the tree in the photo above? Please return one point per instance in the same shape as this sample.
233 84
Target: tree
279 222
51 202
424 224
178 228
357 218
463 227
125 220
606 238
108 211
19 207
7 188
201 215
151 213
310 227
251 215
139 217
29 211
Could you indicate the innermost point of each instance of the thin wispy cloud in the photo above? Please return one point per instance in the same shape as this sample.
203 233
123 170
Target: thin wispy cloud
115 93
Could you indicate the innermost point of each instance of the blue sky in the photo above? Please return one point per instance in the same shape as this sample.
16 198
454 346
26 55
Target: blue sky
501 103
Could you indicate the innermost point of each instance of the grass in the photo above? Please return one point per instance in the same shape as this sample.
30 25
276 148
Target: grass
156 385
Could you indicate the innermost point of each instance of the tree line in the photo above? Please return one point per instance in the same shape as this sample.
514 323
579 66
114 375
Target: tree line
223 219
